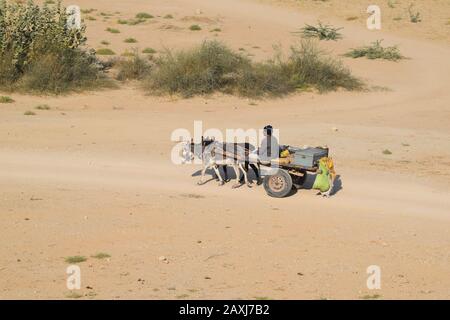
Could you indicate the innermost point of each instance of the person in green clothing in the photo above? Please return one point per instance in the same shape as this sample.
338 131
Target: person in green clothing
325 177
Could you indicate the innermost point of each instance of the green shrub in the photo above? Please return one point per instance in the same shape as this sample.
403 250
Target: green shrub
43 107
87 11
63 71
101 255
133 68
37 47
112 30
143 15
376 51
149 51
130 40
6 99
75 259
105 52
213 67
131 22
195 27
323 32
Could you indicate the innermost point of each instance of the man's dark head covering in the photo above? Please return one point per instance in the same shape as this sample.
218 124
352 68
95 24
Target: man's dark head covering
268 129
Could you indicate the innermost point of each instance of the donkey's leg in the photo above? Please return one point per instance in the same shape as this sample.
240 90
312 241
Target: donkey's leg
241 179
237 171
256 171
225 172
205 167
217 171
242 167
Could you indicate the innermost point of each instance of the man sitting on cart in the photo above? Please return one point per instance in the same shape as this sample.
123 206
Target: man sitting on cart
269 148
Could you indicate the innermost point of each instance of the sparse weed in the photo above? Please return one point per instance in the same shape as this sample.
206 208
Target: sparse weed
75 259
376 51
73 295
113 30
42 107
195 27
322 32
105 52
134 68
144 15
371 297
101 255
392 4
149 51
6 99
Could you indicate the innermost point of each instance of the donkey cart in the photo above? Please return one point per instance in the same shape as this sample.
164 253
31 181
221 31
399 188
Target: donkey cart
283 173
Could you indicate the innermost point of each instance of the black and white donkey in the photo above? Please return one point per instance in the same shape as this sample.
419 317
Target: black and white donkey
216 154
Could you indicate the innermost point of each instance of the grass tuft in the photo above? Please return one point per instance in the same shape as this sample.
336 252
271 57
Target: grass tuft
73 295
195 27
43 107
322 32
371 297
149 51
101 255
130 40
75 259
133 68
113 30
144 15
6 99
376 51
105 52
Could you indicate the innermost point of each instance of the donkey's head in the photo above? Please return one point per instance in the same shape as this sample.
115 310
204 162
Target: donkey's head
187 151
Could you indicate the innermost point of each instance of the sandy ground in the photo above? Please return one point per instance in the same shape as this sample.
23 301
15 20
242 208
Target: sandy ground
93 174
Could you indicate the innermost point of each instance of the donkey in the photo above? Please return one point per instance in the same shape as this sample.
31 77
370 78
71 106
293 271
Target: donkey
214 154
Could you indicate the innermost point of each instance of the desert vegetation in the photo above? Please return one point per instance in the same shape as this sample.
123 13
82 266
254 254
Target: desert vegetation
53 58
213 67
39 52
376 51
133 68
321 31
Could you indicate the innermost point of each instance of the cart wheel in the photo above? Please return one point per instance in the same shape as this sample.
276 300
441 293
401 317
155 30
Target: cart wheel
278 185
